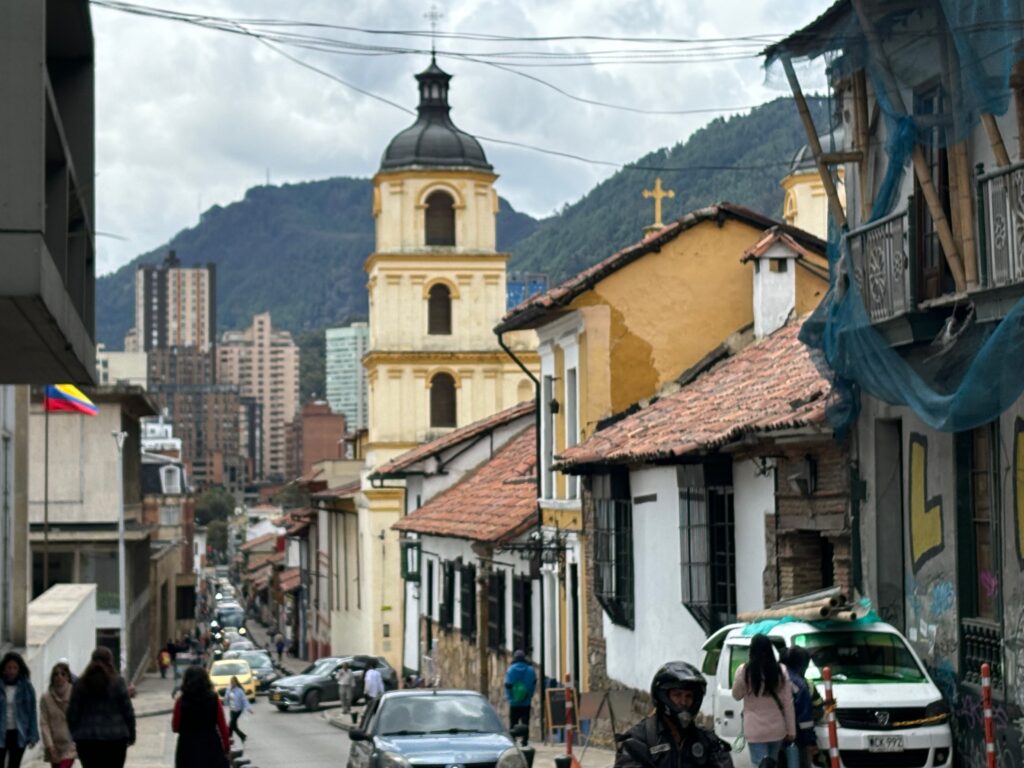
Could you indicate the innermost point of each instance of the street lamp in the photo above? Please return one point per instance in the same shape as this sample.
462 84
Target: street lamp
119 438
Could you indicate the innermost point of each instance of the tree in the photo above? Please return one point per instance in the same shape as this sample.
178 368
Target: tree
214 504
217 537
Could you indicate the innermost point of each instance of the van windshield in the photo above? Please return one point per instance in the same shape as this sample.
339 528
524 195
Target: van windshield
863 657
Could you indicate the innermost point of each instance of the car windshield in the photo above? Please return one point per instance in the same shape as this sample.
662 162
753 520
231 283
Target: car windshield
437 713
875 657
223 668
257 660
321 667
231 618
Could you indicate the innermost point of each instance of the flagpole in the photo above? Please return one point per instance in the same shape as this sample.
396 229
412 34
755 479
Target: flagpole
46 494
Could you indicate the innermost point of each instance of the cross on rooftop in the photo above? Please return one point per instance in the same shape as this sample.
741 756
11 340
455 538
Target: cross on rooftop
434 15
658 194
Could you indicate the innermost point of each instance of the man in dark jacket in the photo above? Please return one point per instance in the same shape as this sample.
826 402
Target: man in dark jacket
520 683
797 660
670 738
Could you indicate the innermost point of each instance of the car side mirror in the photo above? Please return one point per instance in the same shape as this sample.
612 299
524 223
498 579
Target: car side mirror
520 731
358 734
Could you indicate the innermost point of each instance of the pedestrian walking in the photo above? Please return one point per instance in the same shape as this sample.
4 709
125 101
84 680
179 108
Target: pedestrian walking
17 711
198 719
346 682
520 683
163 661
373 686
279 644
100 714
762 684
58 746
238 704
800 754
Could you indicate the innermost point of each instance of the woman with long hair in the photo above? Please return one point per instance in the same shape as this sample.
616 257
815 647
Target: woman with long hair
100 714
762 684
17 711
198 719
58 746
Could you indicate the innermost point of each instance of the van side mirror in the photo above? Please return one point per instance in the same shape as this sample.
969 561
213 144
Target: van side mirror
358 734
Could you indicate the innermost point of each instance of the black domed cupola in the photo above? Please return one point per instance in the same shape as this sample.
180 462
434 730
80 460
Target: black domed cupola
433 141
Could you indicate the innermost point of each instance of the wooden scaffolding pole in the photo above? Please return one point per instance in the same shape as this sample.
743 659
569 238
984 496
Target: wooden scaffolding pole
961 181
831 192
995 138
861 134
921 169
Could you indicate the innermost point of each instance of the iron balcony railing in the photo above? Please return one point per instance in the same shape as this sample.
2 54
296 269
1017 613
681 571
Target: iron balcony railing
879 252
1001 221
980 643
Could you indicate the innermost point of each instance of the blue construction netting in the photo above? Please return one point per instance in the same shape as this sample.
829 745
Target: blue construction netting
971 373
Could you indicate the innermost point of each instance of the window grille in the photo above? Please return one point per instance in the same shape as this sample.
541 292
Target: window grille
613 544
467 600
447 608
708 554
496 610
522 614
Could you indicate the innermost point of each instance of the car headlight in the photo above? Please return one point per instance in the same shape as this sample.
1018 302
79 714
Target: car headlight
241 631
512 758
391 760
937 712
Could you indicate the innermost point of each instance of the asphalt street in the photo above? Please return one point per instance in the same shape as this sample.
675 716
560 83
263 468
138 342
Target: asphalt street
296 739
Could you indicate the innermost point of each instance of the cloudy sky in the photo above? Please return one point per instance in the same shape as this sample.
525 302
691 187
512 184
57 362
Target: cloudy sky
189 117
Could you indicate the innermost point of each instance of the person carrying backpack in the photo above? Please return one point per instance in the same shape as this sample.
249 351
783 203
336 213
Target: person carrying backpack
800 753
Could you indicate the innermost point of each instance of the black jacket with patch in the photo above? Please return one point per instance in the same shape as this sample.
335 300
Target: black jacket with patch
652 744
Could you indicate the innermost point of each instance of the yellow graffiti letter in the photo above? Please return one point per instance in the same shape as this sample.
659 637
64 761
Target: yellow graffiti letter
925 514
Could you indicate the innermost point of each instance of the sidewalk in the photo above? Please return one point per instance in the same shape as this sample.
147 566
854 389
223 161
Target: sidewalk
261 638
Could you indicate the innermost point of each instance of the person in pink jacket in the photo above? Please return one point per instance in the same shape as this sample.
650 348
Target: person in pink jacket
762 684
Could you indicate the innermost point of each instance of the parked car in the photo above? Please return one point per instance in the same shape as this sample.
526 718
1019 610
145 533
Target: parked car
887 704
431 727
222 670
318 682
241 645
262 667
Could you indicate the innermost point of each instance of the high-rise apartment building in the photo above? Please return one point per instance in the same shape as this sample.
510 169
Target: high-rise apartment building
175 306
346 377
264 364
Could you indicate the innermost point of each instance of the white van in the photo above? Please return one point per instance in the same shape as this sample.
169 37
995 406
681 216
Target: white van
889 710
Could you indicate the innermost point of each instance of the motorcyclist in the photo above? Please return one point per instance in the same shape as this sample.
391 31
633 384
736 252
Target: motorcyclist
670 737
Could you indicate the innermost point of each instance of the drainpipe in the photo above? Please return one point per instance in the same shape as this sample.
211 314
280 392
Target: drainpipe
540 521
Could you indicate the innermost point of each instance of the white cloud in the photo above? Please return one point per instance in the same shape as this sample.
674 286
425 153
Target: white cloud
188 117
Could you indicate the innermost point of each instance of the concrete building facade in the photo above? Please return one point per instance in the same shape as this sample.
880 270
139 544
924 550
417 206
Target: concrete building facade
315 435
264 364
175 306
346 377
114 367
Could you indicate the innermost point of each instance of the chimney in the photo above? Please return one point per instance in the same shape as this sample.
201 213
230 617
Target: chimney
774 259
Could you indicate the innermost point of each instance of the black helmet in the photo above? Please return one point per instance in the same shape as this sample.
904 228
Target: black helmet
678 675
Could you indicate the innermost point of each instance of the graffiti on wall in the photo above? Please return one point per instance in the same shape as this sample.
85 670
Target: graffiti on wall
926 531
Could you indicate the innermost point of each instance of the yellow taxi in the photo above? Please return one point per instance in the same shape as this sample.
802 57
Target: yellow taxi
223 670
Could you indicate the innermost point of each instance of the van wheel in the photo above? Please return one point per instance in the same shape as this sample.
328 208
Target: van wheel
313 701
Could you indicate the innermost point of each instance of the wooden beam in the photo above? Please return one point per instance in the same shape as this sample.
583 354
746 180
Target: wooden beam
831 192
861 139
960 179
995 138
921 169
839 158
1017 84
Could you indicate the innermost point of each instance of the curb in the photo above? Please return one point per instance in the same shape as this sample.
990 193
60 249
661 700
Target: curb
337 722
155 712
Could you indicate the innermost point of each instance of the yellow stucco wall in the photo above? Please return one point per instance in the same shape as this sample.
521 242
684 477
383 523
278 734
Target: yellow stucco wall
651 320
810 289
805 204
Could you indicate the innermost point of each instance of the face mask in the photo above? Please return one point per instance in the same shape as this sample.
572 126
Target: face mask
684 718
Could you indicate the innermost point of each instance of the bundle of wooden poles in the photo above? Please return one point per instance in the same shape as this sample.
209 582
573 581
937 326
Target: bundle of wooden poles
834 607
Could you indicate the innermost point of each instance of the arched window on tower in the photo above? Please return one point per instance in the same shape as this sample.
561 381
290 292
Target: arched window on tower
439 310
442 400
440 219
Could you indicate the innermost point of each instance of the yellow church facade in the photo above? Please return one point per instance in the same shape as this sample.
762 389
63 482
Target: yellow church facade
436 287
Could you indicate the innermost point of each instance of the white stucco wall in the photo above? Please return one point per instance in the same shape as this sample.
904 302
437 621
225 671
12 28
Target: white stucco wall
754 497
774 292
664 629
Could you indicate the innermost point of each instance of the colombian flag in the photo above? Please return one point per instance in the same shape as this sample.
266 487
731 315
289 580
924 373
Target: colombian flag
67 397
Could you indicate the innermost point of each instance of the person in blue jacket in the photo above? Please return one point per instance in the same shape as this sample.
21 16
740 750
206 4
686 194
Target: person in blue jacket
17 711
520 683
800 753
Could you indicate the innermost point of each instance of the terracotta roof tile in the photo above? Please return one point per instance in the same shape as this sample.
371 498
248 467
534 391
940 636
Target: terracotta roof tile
289 579
526 314
346 491
772 384
497 501
421 452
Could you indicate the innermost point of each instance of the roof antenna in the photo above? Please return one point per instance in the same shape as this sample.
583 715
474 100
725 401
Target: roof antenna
434 15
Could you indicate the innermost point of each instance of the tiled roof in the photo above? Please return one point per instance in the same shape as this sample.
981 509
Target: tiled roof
259 561
346 491
289 579
772 384
252 544
528 313
421 452
497 501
